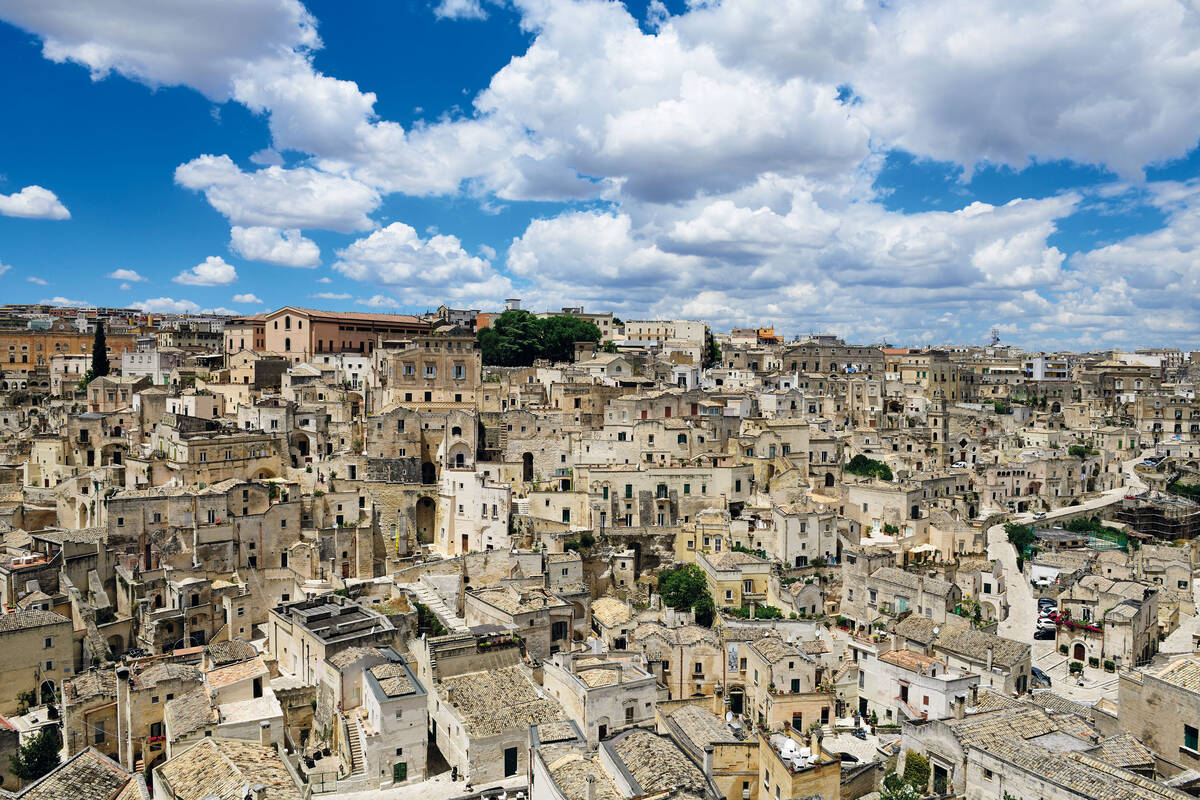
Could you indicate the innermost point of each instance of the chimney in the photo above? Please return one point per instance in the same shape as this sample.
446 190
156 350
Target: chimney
590 793
991 651
257 792
958 707
708 761
974 695
264 733
814 744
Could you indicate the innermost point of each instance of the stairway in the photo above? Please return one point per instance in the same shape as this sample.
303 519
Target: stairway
428 597
357 767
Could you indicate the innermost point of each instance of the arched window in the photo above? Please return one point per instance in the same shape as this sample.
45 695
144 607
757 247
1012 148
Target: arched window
456 431
287 344
287 323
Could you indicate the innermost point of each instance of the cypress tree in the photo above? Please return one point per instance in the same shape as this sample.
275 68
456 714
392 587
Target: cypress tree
99 351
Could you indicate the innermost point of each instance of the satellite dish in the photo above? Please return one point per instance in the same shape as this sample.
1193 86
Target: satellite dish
936 628
729 716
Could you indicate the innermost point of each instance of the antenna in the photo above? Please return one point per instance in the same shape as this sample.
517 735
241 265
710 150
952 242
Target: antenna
995 337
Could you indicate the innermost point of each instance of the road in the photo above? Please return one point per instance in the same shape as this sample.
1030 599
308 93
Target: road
1022 608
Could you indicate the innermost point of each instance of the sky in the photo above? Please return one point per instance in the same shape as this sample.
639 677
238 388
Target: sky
915 173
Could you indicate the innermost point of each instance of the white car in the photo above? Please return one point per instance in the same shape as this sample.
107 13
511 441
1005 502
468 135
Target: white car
1039 515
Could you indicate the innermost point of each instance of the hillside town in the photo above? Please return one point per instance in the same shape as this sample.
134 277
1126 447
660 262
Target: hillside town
553 554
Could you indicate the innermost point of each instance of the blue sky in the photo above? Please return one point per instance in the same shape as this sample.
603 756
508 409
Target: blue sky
917 174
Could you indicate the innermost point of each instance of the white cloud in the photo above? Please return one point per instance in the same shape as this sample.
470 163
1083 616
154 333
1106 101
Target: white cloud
396 255
324 280
125 275
460 9
378 301
332 295
37 280
125 287
33 202
4 267
213 271
169 305
167 44
65 302
280 198
246 298
285 248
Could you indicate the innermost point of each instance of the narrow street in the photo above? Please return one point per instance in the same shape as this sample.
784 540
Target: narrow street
1022 608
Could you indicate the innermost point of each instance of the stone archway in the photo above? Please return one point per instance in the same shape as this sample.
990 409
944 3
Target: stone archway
428 473
1079 652
425 519
527 467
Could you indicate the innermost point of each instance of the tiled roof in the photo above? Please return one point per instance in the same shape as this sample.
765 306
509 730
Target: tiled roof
1182 672
90 775
656 763
732 559
916 628
512 601
344 658
500 700
232 673
1005 725
1049 700
189 712
570 770
773 649
700 726
393 679
161 673
610 611
29 618
217 767
230 651
909 660
93 683
974 644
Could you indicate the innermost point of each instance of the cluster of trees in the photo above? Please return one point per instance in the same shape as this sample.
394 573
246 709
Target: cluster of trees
1080 451
867 467
686 589
518 338
1189 490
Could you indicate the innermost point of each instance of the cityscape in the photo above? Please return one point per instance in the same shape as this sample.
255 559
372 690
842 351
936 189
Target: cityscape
599 400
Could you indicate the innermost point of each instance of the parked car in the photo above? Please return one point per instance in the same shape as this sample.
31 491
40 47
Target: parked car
1045 633
1040 675
1046 604
1039 515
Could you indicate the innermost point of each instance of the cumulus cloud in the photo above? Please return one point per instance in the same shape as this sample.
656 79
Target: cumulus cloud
37 280
33 202
378 301
4 267
246 298
332 295
128 275
396 255
204 47
280 198
213 271
460 9
285 248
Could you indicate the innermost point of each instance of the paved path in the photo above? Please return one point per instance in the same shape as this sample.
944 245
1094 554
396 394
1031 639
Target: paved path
1022 608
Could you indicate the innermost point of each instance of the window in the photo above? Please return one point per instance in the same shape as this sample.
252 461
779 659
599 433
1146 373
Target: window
48 643
98 732
987 774
49 666
1190 738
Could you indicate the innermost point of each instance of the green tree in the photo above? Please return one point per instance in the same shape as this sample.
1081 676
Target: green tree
99 352
867 467
895 788
1020 536
559 335
712 350
38 756
609 347
916 770
682 588
512 340
705 610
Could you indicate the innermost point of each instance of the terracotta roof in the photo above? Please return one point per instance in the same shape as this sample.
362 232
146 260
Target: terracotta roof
93 683
610 611
393 679
29 618
232 673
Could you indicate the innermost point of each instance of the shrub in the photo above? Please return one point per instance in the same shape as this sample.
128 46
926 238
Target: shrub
916 770
1062 648
1076 666
1109 665
868 467
587 539
1093 661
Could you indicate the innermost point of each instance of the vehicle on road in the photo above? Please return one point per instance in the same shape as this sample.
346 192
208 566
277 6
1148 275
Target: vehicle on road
1045 633
1040 676
1039 515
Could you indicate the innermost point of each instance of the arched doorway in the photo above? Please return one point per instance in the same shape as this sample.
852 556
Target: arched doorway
428 473
46 692
527 467
425 517
1080 652
829 480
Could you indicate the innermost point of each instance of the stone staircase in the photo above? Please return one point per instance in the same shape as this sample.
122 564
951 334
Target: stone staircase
428 597
357 766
